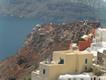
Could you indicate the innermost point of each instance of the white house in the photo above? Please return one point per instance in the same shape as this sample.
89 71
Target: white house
99 40
83 76
35 75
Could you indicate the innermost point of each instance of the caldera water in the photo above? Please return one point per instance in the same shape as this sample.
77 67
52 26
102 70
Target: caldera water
13 32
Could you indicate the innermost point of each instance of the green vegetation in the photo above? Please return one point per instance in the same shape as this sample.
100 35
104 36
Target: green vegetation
36 67
27 77
90 70
80 39
29 72
24 78
96 71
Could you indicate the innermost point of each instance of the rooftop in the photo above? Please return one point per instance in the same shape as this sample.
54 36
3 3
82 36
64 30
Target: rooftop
69 52
36 72
74 75
102 29
60 55
84 36
101 50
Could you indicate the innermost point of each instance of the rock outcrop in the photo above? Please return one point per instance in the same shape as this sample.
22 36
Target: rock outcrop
40 44
54 10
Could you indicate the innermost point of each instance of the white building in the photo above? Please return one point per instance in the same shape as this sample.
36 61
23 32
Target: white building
35 75
98 77
99 40
82 76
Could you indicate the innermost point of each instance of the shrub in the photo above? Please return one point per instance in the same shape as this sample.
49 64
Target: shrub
81 39
24 79
96 71
90 70
36 65
78 39
29 72
29 78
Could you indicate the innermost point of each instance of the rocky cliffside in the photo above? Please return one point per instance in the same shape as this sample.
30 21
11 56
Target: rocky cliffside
40 44
54 10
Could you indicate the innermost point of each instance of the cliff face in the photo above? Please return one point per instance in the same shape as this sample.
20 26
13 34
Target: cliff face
54 10
40 44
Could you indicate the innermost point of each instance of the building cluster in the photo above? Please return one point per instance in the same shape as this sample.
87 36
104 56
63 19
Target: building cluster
73 63
96 44
44 29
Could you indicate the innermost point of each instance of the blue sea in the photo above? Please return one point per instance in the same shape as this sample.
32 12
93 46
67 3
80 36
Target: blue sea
103 23
13 32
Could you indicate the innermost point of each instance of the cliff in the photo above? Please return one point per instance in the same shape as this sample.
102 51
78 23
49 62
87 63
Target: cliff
54 10
40 44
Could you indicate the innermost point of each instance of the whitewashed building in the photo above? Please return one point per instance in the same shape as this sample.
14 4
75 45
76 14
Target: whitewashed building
35 75
98 77
83 76
99 40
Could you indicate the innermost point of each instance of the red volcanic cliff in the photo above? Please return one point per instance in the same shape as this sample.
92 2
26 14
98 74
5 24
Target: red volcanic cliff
40 44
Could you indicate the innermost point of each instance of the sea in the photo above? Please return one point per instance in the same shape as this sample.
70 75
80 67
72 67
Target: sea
13 32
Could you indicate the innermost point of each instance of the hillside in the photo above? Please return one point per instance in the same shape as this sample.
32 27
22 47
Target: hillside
54 10
40 44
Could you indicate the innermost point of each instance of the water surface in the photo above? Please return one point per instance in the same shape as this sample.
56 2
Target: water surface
13 32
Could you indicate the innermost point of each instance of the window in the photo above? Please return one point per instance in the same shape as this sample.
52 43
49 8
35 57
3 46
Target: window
43 71
86 60
74 78
82 79
94 78
91 78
